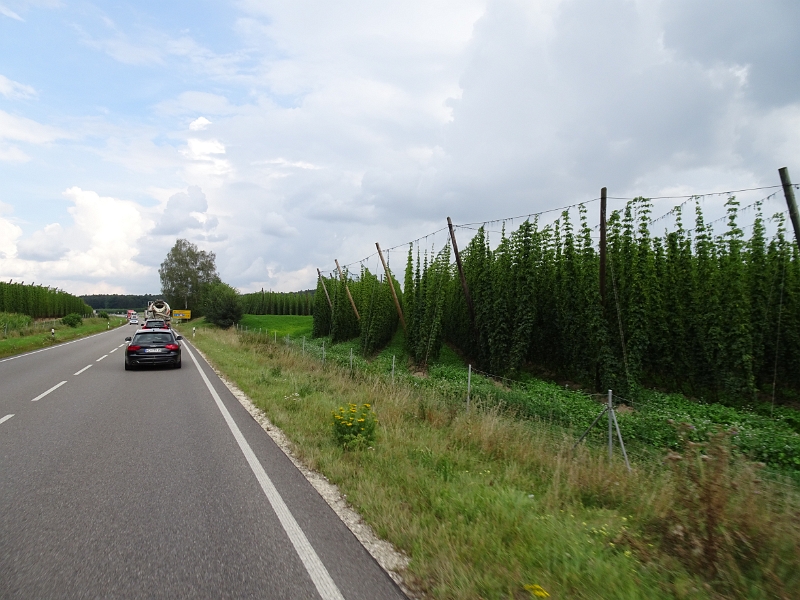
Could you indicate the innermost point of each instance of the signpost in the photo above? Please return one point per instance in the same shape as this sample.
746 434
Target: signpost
183 315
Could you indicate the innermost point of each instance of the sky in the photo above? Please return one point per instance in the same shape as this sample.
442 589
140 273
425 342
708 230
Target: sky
282 135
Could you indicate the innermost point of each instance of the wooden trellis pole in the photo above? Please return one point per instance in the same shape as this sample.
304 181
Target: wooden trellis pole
461 274
347 289
391 287
325 289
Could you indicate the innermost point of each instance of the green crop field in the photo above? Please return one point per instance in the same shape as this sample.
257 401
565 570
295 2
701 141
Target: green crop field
283 325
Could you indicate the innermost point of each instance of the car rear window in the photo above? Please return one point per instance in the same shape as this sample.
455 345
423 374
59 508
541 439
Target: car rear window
153 338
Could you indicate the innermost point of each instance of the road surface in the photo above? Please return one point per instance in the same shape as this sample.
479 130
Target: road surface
156 484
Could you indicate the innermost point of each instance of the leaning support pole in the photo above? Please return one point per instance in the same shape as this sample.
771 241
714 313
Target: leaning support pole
588 429
788 191
621 443
325 289
347 289
391 287
610 409
603 192
468 298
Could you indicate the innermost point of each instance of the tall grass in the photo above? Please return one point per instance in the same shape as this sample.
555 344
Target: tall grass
485 504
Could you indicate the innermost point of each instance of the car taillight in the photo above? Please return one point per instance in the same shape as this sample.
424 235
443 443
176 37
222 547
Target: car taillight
171 346
133 348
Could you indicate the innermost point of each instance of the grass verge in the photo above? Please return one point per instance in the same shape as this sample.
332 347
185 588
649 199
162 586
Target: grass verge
18 344
486 504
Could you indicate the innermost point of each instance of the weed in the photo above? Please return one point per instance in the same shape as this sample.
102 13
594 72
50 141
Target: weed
354 426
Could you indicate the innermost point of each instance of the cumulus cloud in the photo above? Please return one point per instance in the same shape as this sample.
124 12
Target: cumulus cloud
9 234
185 210
44 245
199 124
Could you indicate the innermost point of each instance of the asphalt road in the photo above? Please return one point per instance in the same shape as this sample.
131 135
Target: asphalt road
156 484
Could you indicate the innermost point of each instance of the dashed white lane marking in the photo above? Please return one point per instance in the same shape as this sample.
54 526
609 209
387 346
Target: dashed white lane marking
316 569
55 387
82 370
6 418
120 346
51 347
101 358
114 350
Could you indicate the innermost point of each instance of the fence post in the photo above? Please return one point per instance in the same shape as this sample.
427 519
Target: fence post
610 424
276 336
469 383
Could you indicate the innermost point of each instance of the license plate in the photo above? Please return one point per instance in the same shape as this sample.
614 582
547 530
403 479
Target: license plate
154 350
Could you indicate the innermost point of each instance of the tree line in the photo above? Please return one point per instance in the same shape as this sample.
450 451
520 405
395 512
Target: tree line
118 301
278 303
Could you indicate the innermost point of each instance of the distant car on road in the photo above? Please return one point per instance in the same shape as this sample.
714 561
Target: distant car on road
153 347
134 321
155 324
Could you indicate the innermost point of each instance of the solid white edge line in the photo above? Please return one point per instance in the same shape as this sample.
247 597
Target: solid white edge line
82 370
314 566
101 358
6 418
56 346
55 387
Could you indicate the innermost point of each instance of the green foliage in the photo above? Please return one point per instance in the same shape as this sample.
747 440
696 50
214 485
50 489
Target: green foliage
279 303
689 311
72 320
186 274
118 302
425 291
39 302
10 321
377 315
103 315
221 305
354 426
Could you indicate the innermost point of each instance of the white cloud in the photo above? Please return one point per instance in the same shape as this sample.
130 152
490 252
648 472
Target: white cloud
15 90
9 234
22 129
47 244
10 13
185 210
9 153
199 124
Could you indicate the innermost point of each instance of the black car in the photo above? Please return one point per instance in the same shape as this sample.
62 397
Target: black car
153 347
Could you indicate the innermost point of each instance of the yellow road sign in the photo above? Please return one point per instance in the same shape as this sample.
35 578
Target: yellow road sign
182 314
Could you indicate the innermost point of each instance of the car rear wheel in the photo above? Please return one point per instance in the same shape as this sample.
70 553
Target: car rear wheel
178 365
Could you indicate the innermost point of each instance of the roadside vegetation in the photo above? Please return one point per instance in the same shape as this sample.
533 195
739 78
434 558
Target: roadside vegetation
492 502
34 335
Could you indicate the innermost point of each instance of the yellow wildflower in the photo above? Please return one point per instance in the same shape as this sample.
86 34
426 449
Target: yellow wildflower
537 591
